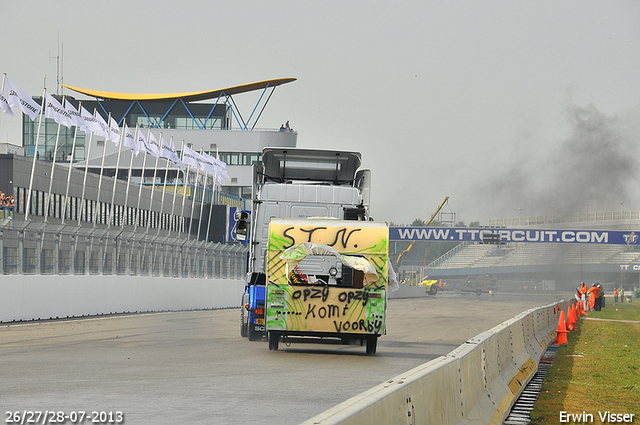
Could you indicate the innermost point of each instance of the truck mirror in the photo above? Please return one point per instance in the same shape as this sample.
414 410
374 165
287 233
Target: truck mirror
241 225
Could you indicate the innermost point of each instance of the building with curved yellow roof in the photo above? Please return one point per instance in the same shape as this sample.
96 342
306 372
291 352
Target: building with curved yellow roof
207 120
185 96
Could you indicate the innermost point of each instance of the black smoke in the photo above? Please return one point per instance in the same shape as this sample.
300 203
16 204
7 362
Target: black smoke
594 168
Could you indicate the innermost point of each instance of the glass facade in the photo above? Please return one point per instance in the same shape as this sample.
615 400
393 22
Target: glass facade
239 158
47 140
157 114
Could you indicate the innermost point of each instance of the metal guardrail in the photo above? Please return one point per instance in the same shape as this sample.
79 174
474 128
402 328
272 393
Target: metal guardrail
6 213
93 251
444 257
565 218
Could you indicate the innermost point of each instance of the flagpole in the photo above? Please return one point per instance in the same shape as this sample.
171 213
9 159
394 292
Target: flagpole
104 153
153 185
175 189
153 189
193 200
35 154
204 192
126 196
53 169
144 165
4 78
213 192
185 177
73 152
84 180
211 207
115 177
164 186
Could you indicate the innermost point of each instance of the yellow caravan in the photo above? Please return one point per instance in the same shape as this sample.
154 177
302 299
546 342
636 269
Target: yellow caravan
327 279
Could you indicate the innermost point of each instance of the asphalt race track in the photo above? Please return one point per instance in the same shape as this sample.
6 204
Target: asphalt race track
194 368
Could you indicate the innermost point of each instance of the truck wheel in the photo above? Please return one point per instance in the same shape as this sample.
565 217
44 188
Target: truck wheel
253 335
433 290
243 327
273 341
372 344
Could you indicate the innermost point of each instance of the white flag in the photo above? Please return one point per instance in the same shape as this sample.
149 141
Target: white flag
75 116
165 149
220 166
56 112
91 123
169 152
190 157
19 99
5 105
205 163
212 165
114 131
143 143
154 146
103 129
130 141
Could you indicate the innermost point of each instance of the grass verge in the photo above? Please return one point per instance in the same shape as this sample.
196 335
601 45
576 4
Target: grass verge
597 371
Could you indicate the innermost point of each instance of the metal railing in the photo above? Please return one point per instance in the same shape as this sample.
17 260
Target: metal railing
565 218
69 250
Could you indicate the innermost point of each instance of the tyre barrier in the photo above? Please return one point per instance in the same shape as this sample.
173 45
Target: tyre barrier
477 383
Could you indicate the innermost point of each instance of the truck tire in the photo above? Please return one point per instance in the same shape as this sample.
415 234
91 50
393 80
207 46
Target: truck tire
273 341
433 290
372 345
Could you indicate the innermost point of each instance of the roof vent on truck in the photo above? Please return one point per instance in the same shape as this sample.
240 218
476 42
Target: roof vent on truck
317 165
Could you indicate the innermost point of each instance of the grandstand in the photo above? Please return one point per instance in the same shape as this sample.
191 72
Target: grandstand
532 263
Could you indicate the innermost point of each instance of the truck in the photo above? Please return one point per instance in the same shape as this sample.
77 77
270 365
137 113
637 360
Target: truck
295 183
430 285
327 280
479 284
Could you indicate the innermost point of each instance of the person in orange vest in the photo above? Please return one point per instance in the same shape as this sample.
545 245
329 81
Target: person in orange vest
593 292
615 295
583 292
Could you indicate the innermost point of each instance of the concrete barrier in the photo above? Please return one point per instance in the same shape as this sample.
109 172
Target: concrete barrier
33 297
477 383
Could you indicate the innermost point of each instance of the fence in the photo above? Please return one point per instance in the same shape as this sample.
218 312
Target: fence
565 218
67 250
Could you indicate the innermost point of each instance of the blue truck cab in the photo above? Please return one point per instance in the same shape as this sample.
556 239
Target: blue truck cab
253 303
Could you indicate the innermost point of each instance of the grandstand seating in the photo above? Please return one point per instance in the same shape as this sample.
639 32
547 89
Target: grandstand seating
479 255
468 256
517 254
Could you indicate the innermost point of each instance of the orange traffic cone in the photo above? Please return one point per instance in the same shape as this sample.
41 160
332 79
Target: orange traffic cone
571 318
562 331
581 307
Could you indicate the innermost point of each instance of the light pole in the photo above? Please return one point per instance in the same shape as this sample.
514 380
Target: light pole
520 213
587 208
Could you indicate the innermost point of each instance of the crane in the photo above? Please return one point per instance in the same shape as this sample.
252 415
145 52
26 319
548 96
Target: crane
446 199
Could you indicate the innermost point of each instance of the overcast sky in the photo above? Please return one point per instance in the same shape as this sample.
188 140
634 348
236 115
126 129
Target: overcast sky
509 108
